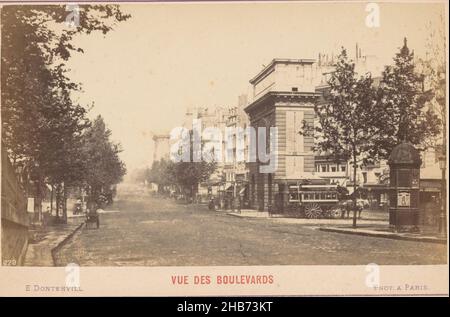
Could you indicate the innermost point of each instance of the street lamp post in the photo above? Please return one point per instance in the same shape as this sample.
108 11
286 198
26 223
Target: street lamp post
442 216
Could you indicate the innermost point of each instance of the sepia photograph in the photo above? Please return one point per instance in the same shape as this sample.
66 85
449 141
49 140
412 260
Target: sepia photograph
237 135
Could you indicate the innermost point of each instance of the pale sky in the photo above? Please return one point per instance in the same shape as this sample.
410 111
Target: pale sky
167 57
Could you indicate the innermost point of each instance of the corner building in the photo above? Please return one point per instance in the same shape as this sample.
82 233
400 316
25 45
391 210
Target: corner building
283 97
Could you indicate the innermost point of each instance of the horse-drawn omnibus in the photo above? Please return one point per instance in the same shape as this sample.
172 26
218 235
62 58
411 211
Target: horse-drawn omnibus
314 201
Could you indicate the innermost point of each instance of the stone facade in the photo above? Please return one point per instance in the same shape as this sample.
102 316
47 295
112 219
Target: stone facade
295 157
14 219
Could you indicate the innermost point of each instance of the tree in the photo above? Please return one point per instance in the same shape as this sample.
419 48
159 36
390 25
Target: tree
402 95
350 118
33 77
190 174
102 166
38 115
41 126
186 175
433 70
63 164
162 173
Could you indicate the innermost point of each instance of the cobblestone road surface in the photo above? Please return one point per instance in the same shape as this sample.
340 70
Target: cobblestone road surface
158 232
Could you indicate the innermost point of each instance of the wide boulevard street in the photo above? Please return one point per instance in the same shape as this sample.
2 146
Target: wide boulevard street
139 230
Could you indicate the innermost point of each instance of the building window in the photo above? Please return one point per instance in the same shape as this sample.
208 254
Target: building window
364 174
343 168
324 168
333 168
295 89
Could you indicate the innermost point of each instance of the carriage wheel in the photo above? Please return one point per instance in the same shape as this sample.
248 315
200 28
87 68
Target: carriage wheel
335 212
313 211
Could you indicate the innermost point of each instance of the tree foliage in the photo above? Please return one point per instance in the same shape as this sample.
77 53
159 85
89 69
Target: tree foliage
102 165
162 173
362 123
35 87
190 174
350 119
42 127
403 97
433 68
185 175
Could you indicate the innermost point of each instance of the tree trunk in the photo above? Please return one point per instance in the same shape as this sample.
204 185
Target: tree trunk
65 203
58 200
51 200
38 199
192 193
354 189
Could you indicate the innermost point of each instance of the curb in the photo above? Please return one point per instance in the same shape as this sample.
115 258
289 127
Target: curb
386 235
234 214
64 241
277 216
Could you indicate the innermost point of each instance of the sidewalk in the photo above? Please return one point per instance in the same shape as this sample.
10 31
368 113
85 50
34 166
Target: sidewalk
373 224
384 231
246 213
44 241
368 218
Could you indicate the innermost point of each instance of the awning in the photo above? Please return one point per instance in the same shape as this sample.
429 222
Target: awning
430 190
434 184
309 175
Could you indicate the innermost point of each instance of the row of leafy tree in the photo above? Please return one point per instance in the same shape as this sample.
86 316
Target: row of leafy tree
184 176
361 122
47 134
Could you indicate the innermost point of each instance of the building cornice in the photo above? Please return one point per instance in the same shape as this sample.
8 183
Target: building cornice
282 95
269 68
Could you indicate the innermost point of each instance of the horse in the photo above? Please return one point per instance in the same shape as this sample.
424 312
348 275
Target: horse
349 205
